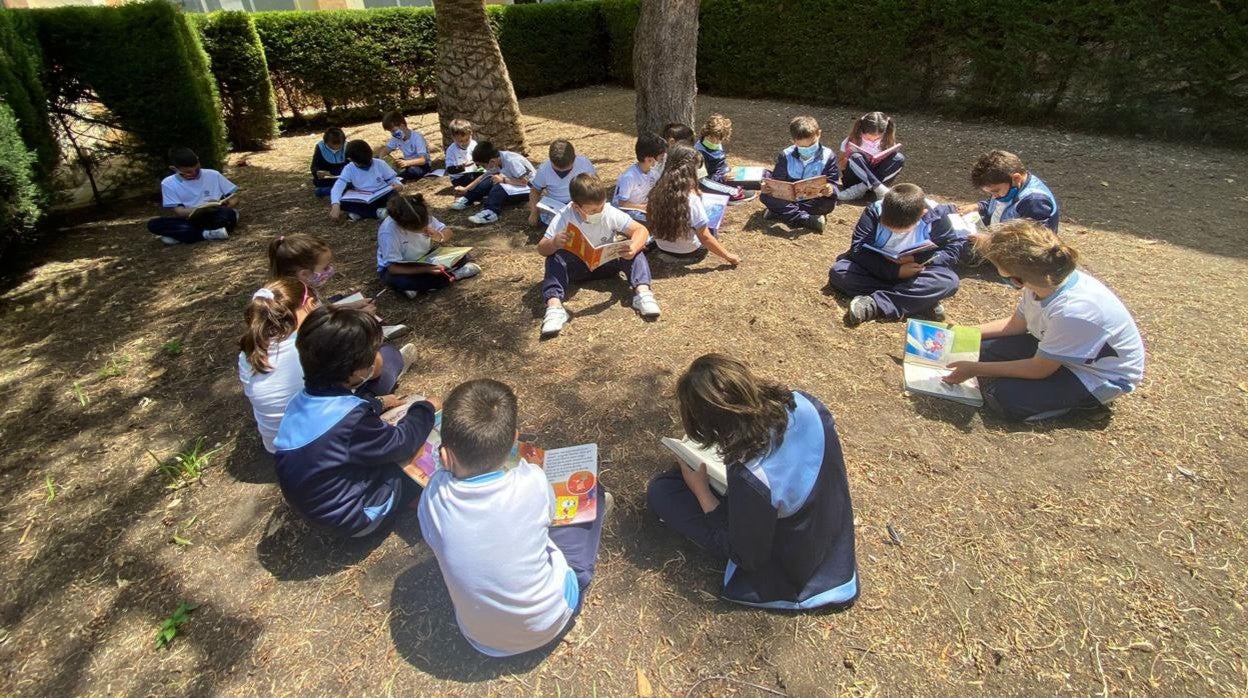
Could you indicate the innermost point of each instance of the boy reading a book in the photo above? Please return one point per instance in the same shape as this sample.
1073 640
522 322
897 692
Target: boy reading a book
599 223
900 260
505 181
338 463
203 202
554 176
806 158
328 159
459 164
407 147
711 144
515 581
371 177
632 191
1015 192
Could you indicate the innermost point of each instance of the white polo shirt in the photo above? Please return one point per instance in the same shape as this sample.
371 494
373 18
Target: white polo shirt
635 185
557 187
377 177
269 393
614 221
209 186
697 220
397 244
414 146
460 157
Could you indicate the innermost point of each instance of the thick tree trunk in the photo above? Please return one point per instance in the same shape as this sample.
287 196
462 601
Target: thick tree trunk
472 79
665 63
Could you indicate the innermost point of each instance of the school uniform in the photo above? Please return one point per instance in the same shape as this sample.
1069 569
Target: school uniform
1084 326
515 582
688 250
863 272
1032 201
397 244
556 184
175 191
635 185
563 268
379 176
270 392
459 159
711 176
786 524
326 159
340 466
860 170
413 146
790 167
513 165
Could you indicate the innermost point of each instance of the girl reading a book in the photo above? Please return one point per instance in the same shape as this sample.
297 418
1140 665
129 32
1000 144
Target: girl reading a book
408 234
310 260
1071 344
677 218
869 157
786 524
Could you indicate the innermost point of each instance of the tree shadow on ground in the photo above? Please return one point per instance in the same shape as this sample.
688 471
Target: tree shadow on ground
292 550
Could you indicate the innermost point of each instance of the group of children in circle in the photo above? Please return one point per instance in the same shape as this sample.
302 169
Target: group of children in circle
319 375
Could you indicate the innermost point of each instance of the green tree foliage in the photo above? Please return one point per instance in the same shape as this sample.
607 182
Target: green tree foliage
242 75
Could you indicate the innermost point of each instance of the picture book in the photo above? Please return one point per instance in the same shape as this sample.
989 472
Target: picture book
550 205
930 348
693 455
801 190
876 157
716 205
513 190
594 256
204 209
899 246
445 256
363 196
392 331
744 176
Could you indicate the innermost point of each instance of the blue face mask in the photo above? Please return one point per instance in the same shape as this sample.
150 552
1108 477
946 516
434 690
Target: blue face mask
1009 195
808 151
397 133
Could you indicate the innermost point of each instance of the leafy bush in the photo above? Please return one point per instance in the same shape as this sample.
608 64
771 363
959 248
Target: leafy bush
242 76
20 197
620 19
551 47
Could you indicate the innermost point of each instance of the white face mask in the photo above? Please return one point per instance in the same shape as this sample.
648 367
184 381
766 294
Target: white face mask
594 218
658 168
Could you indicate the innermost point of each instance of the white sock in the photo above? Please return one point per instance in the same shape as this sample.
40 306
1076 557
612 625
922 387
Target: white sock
881 190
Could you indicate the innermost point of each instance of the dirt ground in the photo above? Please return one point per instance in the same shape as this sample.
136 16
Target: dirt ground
1085 556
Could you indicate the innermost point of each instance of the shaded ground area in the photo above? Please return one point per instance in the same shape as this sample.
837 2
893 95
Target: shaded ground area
1081 556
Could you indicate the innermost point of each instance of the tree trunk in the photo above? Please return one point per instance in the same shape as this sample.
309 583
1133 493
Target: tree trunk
472 79
665 63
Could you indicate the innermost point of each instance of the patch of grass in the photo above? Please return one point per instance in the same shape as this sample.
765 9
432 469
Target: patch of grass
80 395
173 347
169 628
51 487
115 367
185 467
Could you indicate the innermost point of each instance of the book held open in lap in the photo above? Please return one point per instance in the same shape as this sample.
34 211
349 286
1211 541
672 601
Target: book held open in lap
930 348
692 455
874 158
204 209
364 196
801 190
550 205
716 205
594 256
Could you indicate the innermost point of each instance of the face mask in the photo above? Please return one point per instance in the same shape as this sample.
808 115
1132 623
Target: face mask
397 133
657 169
594 218
808 151
712 146
1009 195
562 173
1013 281
318 278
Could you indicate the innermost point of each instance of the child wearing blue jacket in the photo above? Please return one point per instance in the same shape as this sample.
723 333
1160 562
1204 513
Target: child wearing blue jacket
786 523
718 177
804 159
338 463
328 159
887 289
1015 192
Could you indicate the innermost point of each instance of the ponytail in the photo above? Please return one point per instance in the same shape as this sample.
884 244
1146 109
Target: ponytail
271 316
874 122
291 254
855 132
1029 251
890 135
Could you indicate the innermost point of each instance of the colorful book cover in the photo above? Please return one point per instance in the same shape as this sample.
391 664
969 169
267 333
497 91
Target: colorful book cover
445 256
746 175
716 205
593 257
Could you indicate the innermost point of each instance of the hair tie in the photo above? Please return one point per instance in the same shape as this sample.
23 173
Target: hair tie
264 293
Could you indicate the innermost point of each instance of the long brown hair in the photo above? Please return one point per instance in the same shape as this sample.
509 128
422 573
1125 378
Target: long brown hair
1029 251
722 404
874 122
271 319
291 254
667 208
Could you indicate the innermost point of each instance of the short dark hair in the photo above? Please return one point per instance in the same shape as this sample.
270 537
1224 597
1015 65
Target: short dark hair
392 119
484 152
335 342
803 127
562 153
678 133
334 133
996 167
587 189
479 424
903 206
360 153
649 146
181 156
409 211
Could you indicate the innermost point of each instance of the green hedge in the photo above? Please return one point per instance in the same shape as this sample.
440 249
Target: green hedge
242 76
620 19
21 198
551 47
147 67
21 89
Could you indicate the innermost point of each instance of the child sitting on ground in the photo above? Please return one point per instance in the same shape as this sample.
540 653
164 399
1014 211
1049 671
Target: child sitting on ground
515 582
632 191
599 222
338 463
459 164
675 212
916 283
1016 193
678 134
554 176
184 192
308 259
804 159
407 147
870 135
712 144
786 524
328 159
503 169
268 363
409 233
368 175
1071 344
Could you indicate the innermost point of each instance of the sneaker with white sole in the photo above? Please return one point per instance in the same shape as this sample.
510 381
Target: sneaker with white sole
408 352
742 196
412 295
466 271
353 217
853 193
770 215
645 304
861 309
216 234
815 223
938 313
608 503
484 217
381 214
556 317
169 241
460 204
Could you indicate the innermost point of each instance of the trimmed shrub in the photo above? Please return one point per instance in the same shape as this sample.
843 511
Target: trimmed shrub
146 65
620 19
22 90
21 199
551 47
242 76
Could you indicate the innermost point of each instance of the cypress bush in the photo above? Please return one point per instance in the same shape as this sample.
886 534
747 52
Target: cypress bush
242 76
551 47
21 198
22 91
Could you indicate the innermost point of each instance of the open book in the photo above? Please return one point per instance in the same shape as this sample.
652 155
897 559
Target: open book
930 348
204 208
693 455
875 158
745 176
895 251
513 190
594 256
801 190
716 205
550 205
364 196
445 256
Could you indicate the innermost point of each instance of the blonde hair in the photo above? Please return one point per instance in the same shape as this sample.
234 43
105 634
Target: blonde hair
717 125
1028 251
271 316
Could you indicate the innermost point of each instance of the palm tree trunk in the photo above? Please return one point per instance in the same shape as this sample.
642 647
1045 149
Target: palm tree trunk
665 63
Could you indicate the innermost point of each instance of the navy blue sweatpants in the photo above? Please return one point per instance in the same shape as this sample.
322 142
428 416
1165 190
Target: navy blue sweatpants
1025 399
365 210
579 543
859 170
672 501
895 299
795 213
563 268
185 230
494 196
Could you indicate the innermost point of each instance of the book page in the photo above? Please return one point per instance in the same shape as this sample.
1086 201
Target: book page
573 475
550 205
353 298
445 256
694 456
513 190
716 205
928 381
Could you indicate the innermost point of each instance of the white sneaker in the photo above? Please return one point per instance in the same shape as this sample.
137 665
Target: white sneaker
353 217
556 318
216 234
853 193
381 214
881 191
168 240
408 352
466 271
483 217
412 295
460 204
645 304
